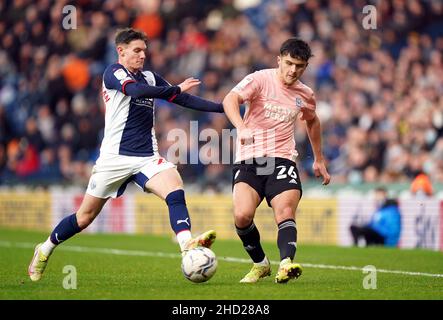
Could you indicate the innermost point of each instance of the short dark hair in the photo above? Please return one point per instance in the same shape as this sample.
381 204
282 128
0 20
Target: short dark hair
128 34
296 48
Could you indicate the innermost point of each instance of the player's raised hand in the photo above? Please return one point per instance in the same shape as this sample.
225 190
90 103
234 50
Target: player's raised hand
319 168
189 84
246 136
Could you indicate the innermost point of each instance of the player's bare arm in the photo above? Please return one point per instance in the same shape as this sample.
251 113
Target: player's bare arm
313 129
231 105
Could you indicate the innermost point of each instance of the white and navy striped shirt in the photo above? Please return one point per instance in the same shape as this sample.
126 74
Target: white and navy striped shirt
130 118
129 121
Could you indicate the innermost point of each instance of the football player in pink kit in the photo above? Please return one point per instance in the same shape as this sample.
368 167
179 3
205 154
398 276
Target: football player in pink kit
265 155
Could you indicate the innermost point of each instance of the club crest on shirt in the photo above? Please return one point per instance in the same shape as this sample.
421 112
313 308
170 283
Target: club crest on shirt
298 102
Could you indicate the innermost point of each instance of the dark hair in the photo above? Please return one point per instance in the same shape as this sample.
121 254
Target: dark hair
128 34
296 48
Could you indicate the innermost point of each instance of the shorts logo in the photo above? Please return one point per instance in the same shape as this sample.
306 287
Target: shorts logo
236 174
160 161
293 181
92 184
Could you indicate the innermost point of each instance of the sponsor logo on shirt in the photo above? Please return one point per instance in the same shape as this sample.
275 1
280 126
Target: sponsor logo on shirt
143 102
278 113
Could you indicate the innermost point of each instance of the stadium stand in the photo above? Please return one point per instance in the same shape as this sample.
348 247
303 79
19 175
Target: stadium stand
379 91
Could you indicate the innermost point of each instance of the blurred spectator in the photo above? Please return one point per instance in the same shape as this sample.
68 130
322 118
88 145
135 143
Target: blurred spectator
149 21
384 227
421 186
23 158
76 73
33 135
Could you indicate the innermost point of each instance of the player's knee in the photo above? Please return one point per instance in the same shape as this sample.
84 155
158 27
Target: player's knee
243 218
285 213
85 218
172 185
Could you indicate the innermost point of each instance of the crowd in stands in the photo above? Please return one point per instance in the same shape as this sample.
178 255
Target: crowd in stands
379 91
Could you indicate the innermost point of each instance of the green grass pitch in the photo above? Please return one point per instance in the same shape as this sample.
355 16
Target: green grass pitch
148 267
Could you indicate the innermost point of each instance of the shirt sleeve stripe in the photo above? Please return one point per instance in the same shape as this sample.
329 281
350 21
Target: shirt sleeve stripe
172 98
125 83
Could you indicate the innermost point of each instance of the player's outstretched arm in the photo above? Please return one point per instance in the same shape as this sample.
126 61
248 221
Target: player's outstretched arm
193 102
116 77
188 100
313 129
141 90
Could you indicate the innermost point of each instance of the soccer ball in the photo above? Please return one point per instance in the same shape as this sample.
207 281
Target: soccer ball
199 264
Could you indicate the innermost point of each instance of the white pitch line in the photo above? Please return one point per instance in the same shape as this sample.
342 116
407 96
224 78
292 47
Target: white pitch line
121 252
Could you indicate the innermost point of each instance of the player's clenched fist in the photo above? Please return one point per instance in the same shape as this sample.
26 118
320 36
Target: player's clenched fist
246 136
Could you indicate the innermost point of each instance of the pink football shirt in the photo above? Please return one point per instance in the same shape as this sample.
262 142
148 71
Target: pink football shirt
271 114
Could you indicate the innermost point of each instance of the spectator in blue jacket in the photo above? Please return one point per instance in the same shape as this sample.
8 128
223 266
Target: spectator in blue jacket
385 225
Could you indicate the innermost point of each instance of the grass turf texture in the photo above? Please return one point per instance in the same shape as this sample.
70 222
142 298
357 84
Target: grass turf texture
103 275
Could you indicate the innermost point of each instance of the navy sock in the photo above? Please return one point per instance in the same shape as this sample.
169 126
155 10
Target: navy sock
65 229
178 212
287 239
251 242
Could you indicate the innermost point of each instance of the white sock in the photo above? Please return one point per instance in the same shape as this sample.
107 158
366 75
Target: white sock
265 262
47 247
183 237
284 261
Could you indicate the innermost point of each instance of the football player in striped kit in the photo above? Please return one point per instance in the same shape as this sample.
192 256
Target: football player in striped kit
129 152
